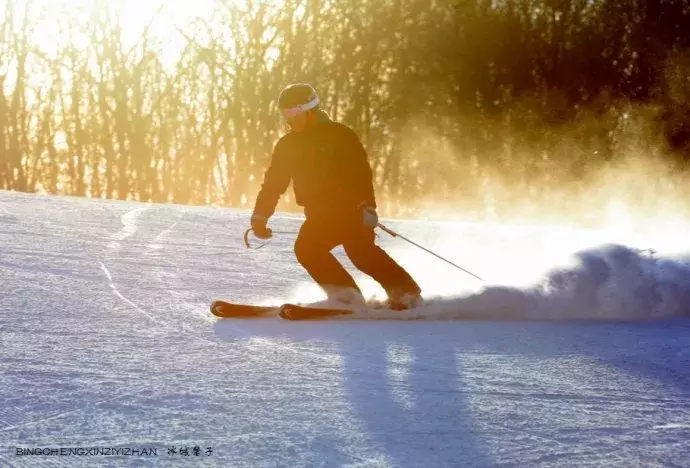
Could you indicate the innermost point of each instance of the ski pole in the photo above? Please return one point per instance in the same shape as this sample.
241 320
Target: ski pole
248 245
246 240
395 234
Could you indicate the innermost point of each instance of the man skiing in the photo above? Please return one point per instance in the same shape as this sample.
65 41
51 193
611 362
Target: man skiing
332 180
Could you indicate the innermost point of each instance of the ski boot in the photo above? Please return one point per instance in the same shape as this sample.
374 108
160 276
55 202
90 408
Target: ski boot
405 301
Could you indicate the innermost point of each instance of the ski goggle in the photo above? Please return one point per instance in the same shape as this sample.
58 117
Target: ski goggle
291 112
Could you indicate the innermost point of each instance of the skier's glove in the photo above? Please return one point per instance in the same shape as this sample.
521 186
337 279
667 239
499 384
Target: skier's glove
259 227
369 217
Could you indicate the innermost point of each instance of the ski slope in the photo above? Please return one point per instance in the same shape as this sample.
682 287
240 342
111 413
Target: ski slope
580 357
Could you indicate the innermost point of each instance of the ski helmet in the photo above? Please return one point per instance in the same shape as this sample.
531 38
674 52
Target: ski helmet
296 99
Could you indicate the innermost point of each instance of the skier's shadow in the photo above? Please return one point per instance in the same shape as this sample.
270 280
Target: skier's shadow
402 388
406 387
417 393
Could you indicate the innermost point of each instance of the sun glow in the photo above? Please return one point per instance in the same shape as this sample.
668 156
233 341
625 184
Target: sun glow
160 21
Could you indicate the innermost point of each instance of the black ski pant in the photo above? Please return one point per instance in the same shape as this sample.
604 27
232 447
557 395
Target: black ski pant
313 248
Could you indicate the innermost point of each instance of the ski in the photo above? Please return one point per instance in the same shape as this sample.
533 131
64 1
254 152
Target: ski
224 309
297 312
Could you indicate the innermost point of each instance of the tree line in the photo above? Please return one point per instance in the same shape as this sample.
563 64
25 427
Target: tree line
464 103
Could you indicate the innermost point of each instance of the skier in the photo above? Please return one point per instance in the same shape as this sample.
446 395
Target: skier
332 180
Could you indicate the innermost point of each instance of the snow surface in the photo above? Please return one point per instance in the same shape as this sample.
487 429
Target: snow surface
106 341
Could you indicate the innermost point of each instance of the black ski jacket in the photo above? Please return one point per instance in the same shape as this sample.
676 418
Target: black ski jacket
328 167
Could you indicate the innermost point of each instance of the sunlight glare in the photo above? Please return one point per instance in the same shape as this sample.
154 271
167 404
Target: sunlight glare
165 17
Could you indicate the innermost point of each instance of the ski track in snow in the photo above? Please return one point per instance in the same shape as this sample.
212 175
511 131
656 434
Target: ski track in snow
106 340
117 292
129 228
